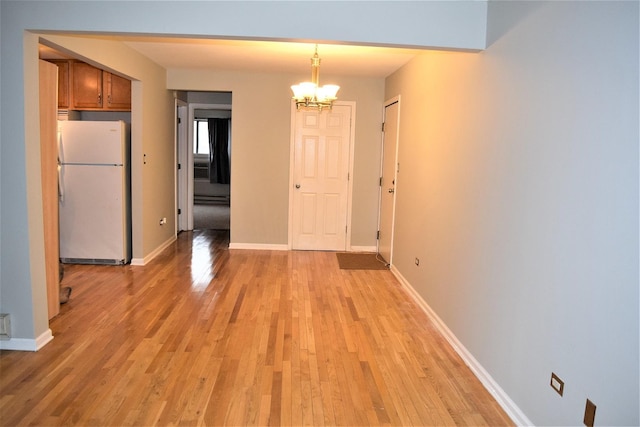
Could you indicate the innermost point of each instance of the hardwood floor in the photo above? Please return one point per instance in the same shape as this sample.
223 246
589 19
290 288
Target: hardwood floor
204 335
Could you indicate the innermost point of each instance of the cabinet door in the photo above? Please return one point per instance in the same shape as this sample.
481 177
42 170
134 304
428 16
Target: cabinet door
118 90
87 86
64 99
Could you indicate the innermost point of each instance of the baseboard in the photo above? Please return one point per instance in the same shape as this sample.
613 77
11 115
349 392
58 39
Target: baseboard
23 344
259 246
508 405
371 249
155 253
275 247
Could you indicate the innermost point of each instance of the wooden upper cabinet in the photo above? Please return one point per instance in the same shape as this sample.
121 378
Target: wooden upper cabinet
84 87
118 92
64 94
87 86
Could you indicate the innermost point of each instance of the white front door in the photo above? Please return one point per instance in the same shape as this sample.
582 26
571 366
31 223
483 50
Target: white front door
388 179
321 163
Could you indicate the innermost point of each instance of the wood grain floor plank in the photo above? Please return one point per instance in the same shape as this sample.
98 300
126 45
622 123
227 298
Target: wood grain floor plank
205 336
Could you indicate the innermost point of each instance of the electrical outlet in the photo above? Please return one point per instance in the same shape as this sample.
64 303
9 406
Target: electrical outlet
589 413
557 384
417 261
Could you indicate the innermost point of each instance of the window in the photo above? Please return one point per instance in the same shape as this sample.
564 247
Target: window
200 136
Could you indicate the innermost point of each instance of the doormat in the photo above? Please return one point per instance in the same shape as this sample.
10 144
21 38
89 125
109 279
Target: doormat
360 261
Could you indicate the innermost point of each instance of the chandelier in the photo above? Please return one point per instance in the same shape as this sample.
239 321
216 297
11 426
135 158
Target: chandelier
310 94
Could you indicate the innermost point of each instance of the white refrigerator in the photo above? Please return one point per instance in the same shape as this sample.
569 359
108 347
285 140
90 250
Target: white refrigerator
94 187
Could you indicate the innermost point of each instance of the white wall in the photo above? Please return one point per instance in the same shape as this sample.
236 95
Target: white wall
518 191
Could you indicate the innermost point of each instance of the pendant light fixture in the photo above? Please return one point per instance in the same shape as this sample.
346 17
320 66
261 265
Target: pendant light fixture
310 95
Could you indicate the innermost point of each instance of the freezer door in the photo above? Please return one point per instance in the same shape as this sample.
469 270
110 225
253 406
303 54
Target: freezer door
92 142
94 224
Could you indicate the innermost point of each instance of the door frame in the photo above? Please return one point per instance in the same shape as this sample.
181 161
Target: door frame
182 171
352 133
387 103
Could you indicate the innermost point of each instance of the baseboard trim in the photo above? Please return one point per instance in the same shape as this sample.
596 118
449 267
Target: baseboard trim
508 405
24 344
155 253
259 246
371 249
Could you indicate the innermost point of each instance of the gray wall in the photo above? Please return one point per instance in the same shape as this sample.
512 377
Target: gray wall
524 159
518 191
212 97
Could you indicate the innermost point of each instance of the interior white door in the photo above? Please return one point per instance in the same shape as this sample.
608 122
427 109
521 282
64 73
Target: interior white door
320 178
388 180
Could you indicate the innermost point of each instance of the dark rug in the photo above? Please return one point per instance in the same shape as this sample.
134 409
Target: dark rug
359 261
211 216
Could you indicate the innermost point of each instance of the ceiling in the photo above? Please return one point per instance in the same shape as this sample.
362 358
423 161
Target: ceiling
264 56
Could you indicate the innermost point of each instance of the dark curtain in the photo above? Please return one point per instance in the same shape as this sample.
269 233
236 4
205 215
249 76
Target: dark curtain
219 168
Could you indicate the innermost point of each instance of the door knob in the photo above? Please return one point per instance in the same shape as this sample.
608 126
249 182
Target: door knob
297 185
391 190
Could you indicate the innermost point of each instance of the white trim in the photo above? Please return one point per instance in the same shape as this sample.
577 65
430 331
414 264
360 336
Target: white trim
292 136
24 344
181 176
372 249
508 405
352 150
259 246
155 253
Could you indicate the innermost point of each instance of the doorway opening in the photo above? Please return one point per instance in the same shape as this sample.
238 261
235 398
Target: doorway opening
207 200
211 168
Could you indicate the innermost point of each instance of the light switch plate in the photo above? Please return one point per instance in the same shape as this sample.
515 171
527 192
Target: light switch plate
557 384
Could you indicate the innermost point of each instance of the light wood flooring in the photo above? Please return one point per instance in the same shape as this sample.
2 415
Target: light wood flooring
204 335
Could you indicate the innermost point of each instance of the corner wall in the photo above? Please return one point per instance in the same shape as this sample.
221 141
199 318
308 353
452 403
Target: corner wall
518 191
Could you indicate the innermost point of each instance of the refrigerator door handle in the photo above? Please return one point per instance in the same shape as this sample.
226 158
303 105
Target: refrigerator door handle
60 174
60 184
60 153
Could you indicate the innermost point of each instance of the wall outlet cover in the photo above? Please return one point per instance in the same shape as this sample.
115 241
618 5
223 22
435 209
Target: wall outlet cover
5 326
557 384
